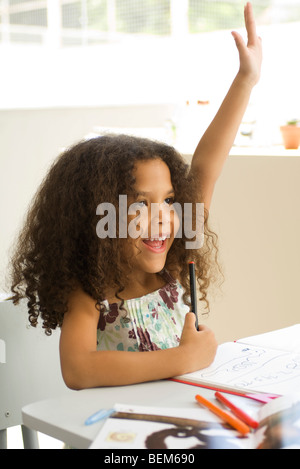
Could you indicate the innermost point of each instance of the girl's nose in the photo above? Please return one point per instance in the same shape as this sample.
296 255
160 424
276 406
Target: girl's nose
160 214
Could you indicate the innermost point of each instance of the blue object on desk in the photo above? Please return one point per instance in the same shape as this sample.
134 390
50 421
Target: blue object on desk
100 415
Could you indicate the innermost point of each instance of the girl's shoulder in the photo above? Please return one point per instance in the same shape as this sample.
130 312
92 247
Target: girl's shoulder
80 301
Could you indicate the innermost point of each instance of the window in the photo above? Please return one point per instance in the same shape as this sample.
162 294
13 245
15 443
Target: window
109 52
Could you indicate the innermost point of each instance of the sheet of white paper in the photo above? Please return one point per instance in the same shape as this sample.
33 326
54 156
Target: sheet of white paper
287 339
250 368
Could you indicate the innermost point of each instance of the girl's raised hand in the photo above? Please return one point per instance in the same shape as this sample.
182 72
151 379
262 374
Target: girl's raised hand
251 53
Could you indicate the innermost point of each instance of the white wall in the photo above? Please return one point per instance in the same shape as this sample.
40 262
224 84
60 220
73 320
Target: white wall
256 214
31 139
255 211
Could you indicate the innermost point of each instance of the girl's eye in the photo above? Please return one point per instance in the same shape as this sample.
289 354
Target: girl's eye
169 200
140 203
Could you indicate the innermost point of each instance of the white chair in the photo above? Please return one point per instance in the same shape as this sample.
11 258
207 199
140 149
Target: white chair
2 351
30 372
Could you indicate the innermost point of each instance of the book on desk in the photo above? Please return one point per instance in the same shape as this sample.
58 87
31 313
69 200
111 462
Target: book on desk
266 363
136 427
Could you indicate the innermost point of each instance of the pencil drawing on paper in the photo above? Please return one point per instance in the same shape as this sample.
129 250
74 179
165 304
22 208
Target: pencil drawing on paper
254 367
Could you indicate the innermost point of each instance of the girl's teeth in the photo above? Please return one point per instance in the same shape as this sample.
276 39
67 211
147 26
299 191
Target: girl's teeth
156 243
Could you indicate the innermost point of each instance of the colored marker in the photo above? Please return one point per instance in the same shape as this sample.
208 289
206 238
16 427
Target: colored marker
264 398
236 411
193 291
100 415
225 416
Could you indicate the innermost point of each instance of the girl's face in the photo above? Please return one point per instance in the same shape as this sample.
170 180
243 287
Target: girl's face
153 222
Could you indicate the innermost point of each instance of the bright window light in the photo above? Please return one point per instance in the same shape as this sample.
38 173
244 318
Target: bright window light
58 53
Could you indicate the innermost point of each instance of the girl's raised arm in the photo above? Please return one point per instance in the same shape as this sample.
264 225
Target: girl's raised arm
214 146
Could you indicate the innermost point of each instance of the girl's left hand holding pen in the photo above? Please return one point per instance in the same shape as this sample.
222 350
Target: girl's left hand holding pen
199 347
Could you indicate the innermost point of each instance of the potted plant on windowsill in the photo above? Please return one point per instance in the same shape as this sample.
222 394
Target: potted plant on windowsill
291 134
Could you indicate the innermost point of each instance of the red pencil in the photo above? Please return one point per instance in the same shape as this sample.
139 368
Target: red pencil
235 422
236 411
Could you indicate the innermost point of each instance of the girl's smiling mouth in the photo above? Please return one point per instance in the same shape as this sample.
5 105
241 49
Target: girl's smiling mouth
157 245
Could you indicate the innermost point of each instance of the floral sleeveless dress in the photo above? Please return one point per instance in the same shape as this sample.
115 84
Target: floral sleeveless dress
152 322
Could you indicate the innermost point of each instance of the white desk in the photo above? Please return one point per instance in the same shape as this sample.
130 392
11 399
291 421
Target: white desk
63 418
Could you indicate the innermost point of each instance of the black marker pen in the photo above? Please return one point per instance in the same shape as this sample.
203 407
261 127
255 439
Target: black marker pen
193 291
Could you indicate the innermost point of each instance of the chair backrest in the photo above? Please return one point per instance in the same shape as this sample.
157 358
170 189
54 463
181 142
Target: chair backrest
32 368
2 351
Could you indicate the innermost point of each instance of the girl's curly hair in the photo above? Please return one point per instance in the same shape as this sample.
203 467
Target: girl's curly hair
58 248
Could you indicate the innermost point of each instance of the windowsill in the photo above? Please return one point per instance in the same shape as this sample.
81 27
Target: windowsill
276 150
186 147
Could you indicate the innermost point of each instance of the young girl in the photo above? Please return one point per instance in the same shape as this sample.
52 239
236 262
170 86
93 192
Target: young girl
116 295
